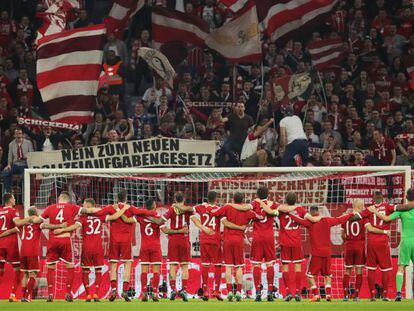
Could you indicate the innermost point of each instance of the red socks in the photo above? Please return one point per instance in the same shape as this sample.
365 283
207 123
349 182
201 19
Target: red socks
98 281
30 285
298 281
16 281
358 285
257 278
50 281
204 275
229 287
184 285
270 276
125 287
385 283
315 291
24 291
172 285
155 282
345 284
71 272
328 290
238 288
217 277
85 281
144 281
113 285
371 282
286 280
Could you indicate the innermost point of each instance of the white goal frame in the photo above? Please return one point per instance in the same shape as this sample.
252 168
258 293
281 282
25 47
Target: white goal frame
406 170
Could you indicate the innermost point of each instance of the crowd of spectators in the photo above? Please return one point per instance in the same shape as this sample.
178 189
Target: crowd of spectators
360 112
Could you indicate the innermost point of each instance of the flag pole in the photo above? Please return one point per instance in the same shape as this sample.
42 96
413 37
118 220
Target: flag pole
189 113
234 82
323 90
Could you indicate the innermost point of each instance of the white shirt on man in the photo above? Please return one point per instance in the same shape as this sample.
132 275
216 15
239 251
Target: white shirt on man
294 128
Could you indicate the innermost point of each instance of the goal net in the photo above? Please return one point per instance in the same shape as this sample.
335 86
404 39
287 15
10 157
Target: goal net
331 188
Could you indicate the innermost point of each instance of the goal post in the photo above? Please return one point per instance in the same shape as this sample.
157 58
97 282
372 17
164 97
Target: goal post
331 188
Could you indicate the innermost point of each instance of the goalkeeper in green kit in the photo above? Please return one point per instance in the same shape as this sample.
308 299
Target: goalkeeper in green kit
406 253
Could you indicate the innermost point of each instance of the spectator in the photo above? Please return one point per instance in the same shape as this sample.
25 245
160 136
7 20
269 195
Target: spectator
359 159
313 139
326 158
237 125
407 158
47 139
118 48
114 72
83 20
253 153
293 140
17 158
328 131
382 150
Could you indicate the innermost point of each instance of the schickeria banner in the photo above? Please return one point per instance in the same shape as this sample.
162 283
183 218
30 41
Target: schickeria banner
153 152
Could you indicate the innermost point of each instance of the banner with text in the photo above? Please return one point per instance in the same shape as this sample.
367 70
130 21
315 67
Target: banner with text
153 152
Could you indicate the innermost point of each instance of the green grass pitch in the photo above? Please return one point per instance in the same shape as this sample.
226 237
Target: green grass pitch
246 305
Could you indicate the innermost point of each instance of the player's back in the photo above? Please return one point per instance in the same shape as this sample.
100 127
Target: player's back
320 237
209 221
385 209
30 237
354 232
240 218
264 229
290 233
7 214
60 213
177 222
119 230
407 220
150 232
92 227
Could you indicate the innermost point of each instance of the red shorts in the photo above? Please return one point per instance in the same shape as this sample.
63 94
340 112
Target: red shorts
263 250
92 259
179 251
233 253
318 265
291 254
355 255
211 254
378 254
29 263
120 251
10 254
59 249
150 255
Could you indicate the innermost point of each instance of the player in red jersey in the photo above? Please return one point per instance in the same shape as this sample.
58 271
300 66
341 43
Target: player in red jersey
320 239
353 235
120 242
179 249
9 247
30 251
59 246
150 250
378 245
210 244
233 248
92 250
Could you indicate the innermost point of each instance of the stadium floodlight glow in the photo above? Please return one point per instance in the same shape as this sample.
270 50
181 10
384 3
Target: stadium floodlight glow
332 188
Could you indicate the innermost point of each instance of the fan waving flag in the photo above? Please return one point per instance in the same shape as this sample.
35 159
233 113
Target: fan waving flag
239 39
159 63
280 18
68 69
234 5
122 11
326 53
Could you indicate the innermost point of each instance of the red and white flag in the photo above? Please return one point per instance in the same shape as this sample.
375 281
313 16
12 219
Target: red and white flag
326 52
239 39
122 11
169 25
55 16
234 5
279 18
68 69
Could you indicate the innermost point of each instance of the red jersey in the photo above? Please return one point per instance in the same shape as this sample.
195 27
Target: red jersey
237 217
150 233
209 221
30 236
92 232
121 231
354 232
320 233
263 228
7 216
177 222
384 208
382 151
59 213
290 234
